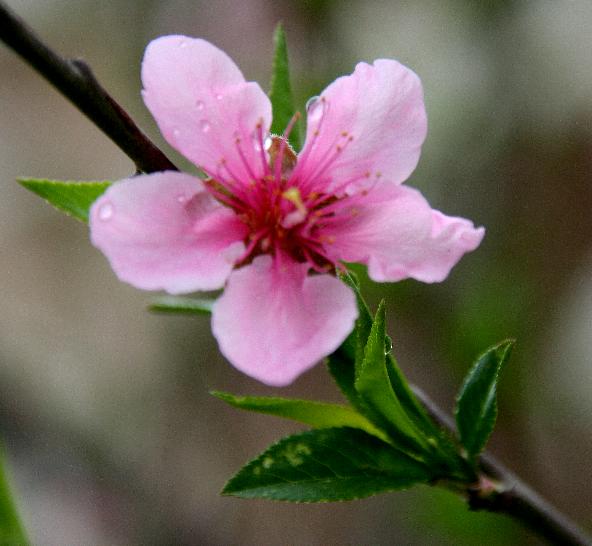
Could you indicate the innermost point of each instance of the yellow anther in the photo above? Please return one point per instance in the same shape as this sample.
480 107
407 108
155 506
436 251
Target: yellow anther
293 195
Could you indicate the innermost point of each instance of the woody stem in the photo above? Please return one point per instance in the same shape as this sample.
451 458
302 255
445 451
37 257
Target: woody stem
513 498
74 79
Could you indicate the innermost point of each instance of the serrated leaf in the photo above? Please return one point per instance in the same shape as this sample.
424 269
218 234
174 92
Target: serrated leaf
73 198
372 383
11 530
323 465
315 414
280 93
182 305
476 408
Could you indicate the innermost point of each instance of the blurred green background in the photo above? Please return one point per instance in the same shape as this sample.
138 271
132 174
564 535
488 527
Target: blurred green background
109 431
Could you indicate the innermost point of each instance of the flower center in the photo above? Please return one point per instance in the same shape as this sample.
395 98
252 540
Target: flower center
287 216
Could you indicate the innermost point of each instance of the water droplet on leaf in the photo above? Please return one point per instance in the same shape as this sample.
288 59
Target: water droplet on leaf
388 345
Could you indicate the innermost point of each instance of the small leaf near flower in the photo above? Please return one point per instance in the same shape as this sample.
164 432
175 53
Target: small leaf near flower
476 409
73 198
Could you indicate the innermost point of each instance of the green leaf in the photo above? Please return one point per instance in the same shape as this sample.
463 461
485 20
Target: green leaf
280 93
325 465
372 382
315 414
476 408
342 363
182 305
73 198
11 530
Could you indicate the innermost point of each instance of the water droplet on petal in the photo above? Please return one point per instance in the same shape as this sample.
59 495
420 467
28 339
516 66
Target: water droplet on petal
205 126
310 103
200 105
106 211
181 198
183 43
268 142
219 96
176 132
315 108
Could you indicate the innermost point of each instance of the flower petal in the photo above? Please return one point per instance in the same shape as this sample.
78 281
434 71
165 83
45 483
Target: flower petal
165 231
395 232
204 107
274 322
364 126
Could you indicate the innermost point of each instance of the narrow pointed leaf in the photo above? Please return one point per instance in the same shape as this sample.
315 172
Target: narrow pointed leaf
11 530
280 93
342 366
476 408
182 305
323 465
342 363
73 198
373 384
315 414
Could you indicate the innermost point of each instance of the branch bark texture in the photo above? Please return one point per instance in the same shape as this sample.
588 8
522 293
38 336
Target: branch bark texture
500 490
74 79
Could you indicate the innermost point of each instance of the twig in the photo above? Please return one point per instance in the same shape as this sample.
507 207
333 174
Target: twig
75 80
512 496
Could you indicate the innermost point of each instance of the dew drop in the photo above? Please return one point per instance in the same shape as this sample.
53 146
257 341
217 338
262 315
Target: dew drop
200 105
388 344
183 44
311 103
219 96
106 211
205 126
315 107
181 198
176 132
268 142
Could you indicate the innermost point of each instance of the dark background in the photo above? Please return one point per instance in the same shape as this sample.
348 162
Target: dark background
110 433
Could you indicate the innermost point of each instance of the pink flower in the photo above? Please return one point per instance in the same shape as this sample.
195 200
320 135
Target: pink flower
270 227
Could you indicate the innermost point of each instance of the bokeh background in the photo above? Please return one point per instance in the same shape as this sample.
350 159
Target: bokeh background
110 433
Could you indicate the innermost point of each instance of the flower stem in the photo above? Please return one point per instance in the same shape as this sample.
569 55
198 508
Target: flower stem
511 495
75 80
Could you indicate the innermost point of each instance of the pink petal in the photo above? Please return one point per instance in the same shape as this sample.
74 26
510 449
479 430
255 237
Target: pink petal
274 322
202 105
370 124
164 231
395 232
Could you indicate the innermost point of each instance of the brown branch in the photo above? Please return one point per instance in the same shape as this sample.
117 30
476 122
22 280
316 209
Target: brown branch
75 80
500 490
